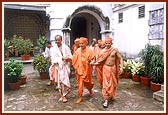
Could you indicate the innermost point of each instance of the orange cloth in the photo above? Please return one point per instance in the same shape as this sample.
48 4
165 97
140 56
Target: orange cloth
99 68
110 74
80 61
54 75
83 40
110 82
77 41
75 46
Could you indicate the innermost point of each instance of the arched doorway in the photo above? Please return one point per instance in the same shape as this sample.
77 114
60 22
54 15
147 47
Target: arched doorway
87 21
84 25
78 27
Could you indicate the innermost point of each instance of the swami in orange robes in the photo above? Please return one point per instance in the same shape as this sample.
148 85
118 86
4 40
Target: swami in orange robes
81 62
110 73
99 68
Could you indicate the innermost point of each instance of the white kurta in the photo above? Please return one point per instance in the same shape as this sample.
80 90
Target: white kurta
62 67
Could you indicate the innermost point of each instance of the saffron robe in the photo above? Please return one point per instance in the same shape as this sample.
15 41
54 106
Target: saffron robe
81 62
110 74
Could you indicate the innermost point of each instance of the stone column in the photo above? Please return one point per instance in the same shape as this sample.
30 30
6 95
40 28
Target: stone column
66 36
107 33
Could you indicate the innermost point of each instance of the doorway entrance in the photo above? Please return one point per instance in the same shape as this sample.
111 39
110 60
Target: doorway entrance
84 25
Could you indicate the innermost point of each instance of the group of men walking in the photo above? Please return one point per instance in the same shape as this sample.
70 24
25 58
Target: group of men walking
101 60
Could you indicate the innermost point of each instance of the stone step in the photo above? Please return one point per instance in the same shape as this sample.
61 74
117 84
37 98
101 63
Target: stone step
159 95
162 87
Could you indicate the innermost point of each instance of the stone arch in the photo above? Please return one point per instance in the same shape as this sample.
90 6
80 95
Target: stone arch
103 21
93 10
25 24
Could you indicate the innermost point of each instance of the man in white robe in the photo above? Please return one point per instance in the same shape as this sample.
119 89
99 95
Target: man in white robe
60 71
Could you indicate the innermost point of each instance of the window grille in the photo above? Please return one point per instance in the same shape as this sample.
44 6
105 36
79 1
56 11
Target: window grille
120 19
141 12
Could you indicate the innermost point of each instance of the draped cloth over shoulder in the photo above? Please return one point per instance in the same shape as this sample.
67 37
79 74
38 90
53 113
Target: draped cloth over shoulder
60 69
80 61
110 74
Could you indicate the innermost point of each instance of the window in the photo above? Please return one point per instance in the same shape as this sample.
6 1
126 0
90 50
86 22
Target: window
120 17
141 12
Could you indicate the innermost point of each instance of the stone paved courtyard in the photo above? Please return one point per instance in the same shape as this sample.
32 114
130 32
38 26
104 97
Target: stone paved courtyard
36 96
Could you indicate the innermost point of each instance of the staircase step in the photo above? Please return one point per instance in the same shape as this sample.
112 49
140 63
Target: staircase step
162 87
159 95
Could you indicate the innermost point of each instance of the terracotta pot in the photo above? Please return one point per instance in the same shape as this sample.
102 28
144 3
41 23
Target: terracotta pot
14 86
145 80
44 75
23 80
6 84
155 86
25 57
136 78
126 74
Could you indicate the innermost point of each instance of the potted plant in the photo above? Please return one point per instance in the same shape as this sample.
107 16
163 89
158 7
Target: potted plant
41 64
41 41
23 46
145 56
12 73
157 72
7 46
137 69
127 68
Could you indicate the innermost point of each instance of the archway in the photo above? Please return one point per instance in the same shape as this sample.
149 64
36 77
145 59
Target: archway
87 21
84 25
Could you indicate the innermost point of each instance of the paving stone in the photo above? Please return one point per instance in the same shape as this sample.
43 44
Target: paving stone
35 95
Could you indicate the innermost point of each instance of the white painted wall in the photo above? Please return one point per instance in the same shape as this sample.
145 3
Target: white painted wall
59 11
131 35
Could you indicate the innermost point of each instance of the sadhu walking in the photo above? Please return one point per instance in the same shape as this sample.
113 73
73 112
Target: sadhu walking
81 62
112 68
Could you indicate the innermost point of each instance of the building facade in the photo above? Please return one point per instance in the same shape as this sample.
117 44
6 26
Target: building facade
130 25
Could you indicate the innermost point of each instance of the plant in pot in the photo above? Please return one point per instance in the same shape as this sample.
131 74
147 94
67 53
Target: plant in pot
23 46
127 68
7 46
41 41
145 56
41 64
156 72
137 69
12 73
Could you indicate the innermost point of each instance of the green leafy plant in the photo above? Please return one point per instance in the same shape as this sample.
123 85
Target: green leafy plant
137 68
22 45
146 55
40 63
41 41
157 68
127 65
13 70
7 46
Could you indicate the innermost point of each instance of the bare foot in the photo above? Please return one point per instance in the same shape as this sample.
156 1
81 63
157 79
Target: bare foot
91 93
61 99
49 83
79 100
64 99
